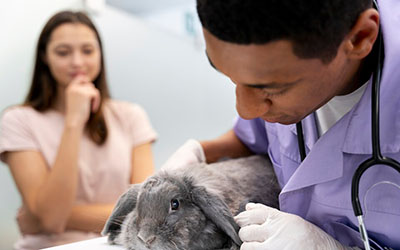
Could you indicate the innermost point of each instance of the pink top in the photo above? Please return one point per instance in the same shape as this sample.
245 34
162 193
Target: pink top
104 171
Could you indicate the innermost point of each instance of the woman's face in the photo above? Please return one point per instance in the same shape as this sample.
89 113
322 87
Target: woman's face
73 49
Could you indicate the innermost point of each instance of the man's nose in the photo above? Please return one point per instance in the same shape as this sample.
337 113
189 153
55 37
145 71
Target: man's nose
250 102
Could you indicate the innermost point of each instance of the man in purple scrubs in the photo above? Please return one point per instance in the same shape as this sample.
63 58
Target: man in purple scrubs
309 61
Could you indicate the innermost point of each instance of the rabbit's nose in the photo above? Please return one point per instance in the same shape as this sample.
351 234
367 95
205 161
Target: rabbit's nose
147 239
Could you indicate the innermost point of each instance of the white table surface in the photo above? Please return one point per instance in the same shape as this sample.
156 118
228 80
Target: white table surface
92 244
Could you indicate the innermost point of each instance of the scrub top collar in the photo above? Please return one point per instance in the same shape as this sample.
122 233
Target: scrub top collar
358 133
324 162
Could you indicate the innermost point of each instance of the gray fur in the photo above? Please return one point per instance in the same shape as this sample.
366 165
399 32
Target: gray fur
208 195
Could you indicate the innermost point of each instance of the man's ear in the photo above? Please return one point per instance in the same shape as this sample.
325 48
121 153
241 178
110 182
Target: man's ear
362 36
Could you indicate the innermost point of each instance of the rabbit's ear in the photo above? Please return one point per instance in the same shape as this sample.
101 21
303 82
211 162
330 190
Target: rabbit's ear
125 205
217 211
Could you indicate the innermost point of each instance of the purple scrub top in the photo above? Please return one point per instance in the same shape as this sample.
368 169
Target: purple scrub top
319 189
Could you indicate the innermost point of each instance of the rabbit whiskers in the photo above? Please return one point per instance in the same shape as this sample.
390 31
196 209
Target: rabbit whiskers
176 246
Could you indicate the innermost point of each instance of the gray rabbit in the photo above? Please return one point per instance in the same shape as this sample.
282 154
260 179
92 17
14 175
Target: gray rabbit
192 208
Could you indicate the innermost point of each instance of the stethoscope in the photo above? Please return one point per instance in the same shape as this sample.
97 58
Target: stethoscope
377 158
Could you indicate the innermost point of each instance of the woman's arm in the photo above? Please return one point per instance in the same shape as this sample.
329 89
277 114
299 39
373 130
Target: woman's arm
142 163
48 194
89 218
92 218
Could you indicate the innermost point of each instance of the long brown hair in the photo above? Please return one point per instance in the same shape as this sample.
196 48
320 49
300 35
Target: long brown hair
43 91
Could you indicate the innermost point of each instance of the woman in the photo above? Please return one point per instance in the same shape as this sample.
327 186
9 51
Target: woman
70 148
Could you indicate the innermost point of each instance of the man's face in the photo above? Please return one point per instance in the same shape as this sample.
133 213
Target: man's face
272 83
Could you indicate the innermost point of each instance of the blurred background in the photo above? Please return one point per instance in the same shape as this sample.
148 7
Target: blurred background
154 56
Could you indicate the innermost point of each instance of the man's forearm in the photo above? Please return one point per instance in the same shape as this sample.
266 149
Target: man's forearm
227 145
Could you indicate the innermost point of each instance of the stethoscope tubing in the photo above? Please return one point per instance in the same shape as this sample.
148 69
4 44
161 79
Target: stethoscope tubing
377 158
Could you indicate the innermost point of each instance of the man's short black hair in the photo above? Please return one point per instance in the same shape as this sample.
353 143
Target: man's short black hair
316 27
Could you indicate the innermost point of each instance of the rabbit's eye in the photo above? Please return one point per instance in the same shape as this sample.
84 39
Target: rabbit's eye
174 204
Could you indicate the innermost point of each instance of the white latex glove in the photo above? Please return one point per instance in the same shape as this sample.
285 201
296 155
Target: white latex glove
190 152
264 228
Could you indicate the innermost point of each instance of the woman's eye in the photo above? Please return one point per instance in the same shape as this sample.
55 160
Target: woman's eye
88 51
62 53
174 204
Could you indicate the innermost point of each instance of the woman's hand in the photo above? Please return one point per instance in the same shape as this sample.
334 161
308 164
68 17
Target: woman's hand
82 98
27 222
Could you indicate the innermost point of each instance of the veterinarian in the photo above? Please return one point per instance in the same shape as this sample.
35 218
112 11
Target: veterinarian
71 149
310 61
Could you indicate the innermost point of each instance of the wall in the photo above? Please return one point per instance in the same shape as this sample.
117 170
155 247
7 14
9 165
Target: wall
168 74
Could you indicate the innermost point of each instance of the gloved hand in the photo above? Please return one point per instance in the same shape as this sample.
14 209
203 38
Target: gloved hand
190 152
264 227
